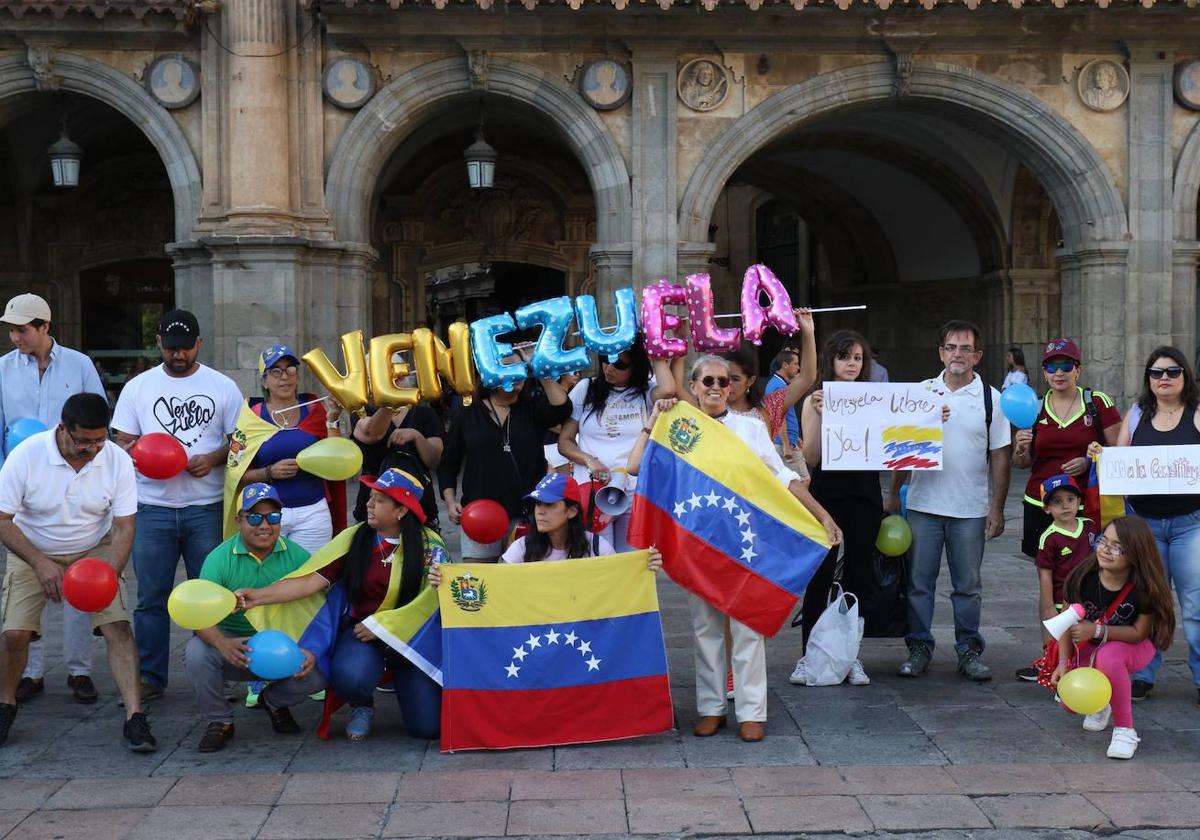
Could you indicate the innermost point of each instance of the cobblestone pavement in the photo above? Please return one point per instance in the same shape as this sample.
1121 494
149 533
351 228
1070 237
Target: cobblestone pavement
937 757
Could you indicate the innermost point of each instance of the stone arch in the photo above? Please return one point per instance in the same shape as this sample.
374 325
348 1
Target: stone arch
404 104
1187 187
91 78
1069 168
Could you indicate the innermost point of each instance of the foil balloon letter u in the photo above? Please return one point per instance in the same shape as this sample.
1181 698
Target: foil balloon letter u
707 337
615 340
490 351
655 321
779 314
549 360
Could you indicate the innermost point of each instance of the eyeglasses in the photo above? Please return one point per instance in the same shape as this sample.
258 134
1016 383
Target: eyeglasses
86 444
1059 367
965 349
279 373
273 518
1172 372
619 365
1111 548
719 381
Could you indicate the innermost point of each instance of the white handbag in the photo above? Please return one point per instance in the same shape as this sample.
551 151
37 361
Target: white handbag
834 641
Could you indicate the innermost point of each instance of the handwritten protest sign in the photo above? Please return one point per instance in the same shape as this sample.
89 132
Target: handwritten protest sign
1145 470
881 426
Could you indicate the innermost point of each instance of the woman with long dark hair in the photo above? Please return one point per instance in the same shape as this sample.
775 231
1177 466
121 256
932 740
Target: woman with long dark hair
1166 414
1015 372
853 498
377 566
608 411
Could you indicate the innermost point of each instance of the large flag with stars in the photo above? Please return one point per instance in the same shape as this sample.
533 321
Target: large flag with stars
558 652
728 530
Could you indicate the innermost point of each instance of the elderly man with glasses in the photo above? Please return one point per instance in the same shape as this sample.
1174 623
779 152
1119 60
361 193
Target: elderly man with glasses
254 557
66 494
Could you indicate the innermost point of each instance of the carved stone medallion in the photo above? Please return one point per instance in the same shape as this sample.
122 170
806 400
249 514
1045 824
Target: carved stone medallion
605 84
1103 85
173 81
703 84
348 83
1187 85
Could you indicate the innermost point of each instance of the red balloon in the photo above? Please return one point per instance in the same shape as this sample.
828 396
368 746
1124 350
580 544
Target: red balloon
89 584
158 455
485 521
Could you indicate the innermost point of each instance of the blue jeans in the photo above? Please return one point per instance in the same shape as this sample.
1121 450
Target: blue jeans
1178 541
163 535
963 541
356 669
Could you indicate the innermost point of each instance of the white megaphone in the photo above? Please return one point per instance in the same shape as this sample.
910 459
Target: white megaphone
1064 621
613 499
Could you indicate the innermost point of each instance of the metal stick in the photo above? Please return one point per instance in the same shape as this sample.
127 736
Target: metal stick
297 405
813 311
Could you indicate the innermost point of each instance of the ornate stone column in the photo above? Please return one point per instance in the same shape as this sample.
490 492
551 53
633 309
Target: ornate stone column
1185 275
1093 287
612 269
655 200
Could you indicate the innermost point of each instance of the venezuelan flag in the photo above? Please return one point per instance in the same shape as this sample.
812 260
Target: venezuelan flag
562 652
1101 509
729 532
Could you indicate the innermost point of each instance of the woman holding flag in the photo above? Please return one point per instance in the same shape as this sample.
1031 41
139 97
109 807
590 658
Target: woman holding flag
271 431
709 383
352 598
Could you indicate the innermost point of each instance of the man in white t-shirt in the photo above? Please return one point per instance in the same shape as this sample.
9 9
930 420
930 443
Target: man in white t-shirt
65 494
951 509
178 516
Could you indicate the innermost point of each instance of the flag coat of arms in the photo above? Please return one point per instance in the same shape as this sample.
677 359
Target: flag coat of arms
728 530
561 652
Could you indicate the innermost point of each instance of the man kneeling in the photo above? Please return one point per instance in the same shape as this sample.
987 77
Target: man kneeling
255 556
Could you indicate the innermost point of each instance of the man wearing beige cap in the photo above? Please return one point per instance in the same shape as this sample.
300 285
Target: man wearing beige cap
36 379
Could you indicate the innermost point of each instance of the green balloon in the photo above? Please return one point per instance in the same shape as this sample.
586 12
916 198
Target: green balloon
895 536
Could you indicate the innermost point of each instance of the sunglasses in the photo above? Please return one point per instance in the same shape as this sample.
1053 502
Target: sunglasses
1172 372
719 381
619 365
273 518
1059 367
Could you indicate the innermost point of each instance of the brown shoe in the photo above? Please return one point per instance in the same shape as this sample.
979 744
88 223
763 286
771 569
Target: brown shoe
83 688
708 725
215 737
751 731
28 687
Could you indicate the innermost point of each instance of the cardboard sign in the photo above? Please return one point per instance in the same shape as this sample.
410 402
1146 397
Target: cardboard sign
881 426
1149 470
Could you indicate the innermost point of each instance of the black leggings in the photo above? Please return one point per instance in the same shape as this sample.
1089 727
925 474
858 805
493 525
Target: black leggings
859 520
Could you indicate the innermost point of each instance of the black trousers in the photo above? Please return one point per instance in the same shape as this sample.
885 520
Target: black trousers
859 520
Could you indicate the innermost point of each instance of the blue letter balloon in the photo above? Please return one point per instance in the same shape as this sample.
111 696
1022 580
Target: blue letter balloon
1020 405
615 340
20 430
489 352
549 360
273 655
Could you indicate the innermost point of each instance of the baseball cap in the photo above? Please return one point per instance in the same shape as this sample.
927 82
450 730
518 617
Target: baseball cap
399 486
554 488
1064 347
1062 481
178 328
252 494
273 354
25 308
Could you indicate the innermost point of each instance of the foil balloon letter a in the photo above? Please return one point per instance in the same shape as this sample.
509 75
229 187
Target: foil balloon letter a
779 314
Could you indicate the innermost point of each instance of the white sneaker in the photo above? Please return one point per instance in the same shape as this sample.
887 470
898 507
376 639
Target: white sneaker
800 674
858 674
1098 721
1124 742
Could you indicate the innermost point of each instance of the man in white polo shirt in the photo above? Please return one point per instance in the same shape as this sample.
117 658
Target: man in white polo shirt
950 509
68 493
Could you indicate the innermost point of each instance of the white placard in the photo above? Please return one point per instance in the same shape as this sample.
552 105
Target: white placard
1149 470
881 426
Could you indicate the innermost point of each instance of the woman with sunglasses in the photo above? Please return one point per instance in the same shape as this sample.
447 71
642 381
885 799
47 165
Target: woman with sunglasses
608 410
1066 424
1165 414
271 431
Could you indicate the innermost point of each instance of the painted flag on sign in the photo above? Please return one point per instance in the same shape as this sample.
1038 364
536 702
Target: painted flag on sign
539 654
728 531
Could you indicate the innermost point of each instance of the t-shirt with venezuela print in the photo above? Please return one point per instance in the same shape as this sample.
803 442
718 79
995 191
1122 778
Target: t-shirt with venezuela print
199 411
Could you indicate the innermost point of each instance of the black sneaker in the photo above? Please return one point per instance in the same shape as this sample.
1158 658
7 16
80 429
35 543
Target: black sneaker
281 719
8 713
1027 674
28 686
215 737
1140 690
137 734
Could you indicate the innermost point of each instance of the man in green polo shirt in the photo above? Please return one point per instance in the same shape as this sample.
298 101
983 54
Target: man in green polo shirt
255 556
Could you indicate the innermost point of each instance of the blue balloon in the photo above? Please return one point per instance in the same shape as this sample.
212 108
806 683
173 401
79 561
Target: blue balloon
488 352
273 655
613 341
549 360
21 430
1020 405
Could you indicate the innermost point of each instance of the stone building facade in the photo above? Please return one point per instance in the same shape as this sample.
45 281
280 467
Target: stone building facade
293 169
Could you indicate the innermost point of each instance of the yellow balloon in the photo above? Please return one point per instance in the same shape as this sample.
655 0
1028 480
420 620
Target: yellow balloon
1085 691
385 393
197 604
333 459
349 388
435 361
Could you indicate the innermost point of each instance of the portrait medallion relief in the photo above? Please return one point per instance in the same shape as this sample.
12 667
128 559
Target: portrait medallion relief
348 83
703 84
1103 85
173 81
604 84
1187 85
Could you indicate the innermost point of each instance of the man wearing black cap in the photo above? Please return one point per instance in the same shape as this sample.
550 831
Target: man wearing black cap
179 516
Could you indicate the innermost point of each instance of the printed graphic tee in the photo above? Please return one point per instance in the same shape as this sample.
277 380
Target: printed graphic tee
199 411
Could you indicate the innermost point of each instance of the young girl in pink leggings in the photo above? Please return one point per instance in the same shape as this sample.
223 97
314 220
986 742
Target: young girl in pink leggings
1126 566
